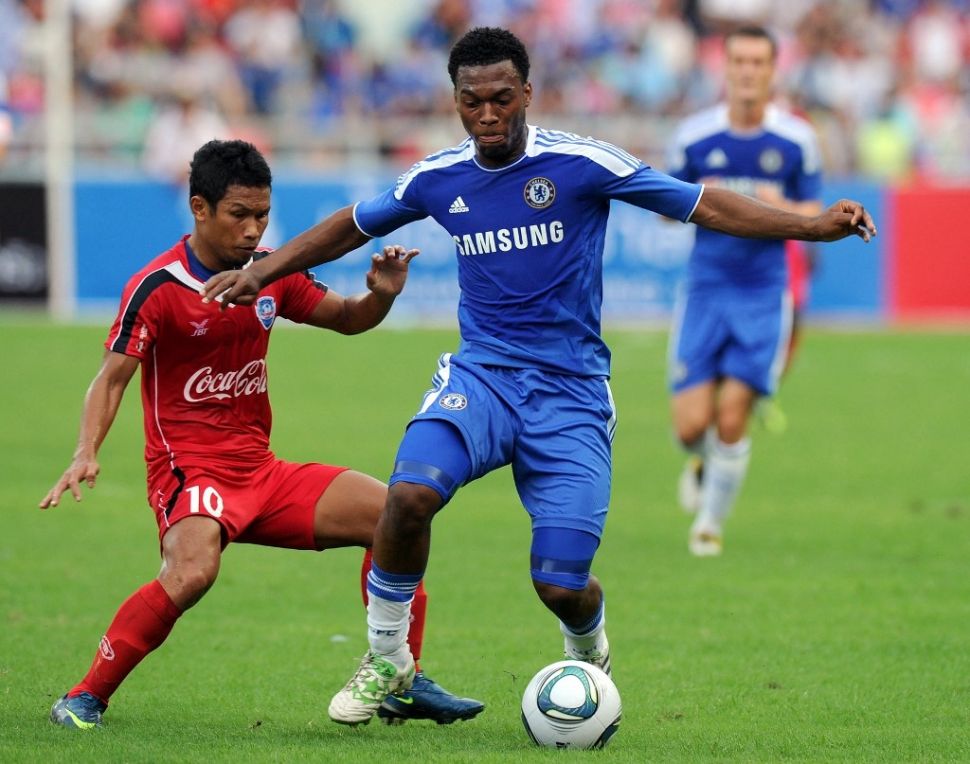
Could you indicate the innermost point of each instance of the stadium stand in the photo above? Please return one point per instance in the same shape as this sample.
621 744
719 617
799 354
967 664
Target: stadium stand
316 83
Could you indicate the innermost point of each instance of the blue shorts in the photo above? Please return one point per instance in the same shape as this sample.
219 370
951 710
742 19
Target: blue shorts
555 430
721 333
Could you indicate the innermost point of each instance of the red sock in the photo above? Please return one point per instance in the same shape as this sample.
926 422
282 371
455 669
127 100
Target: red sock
419 607
141 624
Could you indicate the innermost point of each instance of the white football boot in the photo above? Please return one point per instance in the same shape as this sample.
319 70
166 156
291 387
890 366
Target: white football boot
376 678
599 658
705 540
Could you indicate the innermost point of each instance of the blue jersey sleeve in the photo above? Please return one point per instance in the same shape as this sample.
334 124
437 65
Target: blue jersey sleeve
805 181
386 212
653 190
807 184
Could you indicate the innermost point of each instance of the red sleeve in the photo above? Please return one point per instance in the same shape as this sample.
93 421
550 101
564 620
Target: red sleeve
135 328
300 293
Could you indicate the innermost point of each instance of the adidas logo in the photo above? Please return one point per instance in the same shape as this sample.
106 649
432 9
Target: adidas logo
458 205
716 159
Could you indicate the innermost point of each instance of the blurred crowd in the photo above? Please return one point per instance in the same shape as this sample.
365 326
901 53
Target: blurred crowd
886 82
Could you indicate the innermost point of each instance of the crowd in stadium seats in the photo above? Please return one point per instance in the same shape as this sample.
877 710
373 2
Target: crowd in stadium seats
887 82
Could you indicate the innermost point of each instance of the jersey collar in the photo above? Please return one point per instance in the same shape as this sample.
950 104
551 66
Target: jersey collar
529 145
196 268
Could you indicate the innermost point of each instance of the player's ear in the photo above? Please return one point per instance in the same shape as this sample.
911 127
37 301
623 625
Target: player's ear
199 207
527 93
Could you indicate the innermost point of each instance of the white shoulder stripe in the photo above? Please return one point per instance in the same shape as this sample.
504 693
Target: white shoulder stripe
608 156
460 153
183 276
799 132
701 125
174 268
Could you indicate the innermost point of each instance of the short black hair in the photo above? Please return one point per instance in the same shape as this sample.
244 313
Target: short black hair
754 30
220 164
488 45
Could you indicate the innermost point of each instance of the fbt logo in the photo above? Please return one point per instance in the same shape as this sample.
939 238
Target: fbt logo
199 327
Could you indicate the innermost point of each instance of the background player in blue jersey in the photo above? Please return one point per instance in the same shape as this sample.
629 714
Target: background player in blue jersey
734 318
527 208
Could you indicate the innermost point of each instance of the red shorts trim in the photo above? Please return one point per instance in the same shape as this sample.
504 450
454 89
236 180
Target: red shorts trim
271 504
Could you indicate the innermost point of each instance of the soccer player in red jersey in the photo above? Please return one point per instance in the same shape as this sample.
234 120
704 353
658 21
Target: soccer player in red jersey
212 478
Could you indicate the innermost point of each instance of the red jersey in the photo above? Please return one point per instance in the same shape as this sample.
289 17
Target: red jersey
204 383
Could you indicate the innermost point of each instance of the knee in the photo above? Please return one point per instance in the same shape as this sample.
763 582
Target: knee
187 581
690 433
732 425
691 423
560 600
411 506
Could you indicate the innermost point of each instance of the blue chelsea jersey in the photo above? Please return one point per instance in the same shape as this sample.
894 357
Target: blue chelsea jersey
529 241
783 153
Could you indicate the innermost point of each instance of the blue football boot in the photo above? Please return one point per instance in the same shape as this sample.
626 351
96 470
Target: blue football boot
82 712
427 700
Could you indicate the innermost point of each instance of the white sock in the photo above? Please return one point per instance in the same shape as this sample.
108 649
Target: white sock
724 470
387 629
589 639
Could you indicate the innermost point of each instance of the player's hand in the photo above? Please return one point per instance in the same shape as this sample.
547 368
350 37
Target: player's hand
389 270
846 218
82 470
232 288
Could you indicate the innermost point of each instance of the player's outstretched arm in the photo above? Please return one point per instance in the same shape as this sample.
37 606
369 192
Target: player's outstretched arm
358 313
327 240
732 213
100 406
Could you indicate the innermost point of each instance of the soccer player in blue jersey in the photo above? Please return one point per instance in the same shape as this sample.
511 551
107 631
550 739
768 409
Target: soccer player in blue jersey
528 386
734 319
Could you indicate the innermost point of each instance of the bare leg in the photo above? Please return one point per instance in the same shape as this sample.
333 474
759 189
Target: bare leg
402 540
572 607
347 512
191 553
693 411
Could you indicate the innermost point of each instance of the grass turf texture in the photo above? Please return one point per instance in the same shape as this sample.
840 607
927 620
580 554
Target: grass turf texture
833 629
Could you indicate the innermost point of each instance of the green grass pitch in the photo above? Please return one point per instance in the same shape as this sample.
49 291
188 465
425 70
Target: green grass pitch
835 627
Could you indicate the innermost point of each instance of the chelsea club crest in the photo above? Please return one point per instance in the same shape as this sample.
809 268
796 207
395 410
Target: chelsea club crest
266 311
453 401
539 193
770 161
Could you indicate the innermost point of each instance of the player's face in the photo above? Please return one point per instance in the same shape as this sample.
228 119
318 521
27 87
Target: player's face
226 237
491 102
750 70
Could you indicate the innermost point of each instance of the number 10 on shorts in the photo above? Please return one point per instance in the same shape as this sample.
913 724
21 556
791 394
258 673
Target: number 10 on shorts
211 501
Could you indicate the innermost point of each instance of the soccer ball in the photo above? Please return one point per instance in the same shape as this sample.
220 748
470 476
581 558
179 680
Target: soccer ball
571 704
